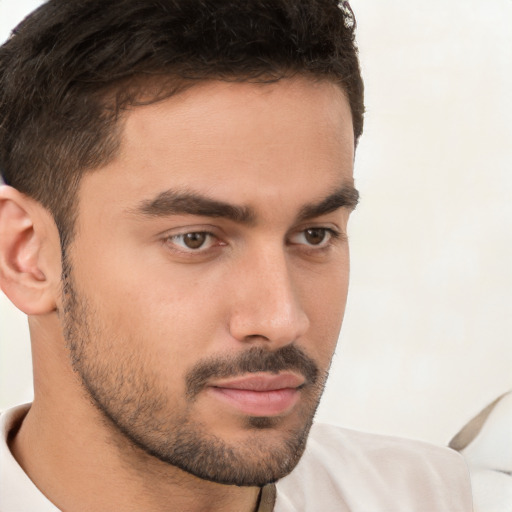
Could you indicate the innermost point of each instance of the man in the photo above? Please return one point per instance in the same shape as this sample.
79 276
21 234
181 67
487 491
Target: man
179 183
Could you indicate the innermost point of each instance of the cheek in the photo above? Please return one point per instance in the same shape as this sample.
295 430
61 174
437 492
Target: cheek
325 305
158 318
169 324
324 290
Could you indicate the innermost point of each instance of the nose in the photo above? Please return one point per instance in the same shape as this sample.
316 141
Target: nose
266 305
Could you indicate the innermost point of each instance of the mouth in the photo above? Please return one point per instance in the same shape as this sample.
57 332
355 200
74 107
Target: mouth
260 394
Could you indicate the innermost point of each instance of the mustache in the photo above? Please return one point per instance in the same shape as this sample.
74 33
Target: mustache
253 360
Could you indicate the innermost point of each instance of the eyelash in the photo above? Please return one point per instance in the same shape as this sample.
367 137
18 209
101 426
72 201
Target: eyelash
208 235
331 234
330 237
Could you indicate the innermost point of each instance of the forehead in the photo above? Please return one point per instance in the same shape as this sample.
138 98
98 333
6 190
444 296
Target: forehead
240 142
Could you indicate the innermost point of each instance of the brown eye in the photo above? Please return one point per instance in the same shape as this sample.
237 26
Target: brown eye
315 236
194 243
194 240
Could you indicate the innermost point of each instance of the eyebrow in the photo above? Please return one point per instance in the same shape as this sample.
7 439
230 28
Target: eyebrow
345 197
171 202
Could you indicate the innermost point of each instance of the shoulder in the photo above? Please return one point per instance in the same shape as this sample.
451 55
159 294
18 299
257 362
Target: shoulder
385 454
365 472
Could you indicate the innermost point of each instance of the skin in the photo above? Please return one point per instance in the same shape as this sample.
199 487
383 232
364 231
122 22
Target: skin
112 358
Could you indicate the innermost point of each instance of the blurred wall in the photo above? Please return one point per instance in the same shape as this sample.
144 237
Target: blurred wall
427 340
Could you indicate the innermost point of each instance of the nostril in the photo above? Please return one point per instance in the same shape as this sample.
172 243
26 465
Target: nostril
256 337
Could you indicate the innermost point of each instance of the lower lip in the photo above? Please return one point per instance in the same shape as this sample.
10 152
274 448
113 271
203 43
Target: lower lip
258 403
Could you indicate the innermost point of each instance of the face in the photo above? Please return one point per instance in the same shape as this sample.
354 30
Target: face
206 283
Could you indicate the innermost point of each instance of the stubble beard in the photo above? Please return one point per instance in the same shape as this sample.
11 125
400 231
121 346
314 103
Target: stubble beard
126 391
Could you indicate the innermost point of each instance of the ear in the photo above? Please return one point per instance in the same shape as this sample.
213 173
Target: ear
30 265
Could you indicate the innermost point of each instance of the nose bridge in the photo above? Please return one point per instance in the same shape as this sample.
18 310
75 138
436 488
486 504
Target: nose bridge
267 304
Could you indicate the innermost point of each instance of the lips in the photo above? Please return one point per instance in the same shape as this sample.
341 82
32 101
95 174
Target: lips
259 394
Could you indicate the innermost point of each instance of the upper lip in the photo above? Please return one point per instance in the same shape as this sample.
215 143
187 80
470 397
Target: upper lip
262 382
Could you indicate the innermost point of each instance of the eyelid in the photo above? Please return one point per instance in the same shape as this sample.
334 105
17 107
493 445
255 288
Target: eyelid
169 239
333 233
208 239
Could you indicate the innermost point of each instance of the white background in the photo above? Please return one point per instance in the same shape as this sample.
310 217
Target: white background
427 340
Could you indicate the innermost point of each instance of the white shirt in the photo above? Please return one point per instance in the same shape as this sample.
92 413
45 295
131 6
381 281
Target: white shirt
341 471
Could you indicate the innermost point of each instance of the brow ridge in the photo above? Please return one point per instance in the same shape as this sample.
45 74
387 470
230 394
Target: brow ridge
171 202
346 196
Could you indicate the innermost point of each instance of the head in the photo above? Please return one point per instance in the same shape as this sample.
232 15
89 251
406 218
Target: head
196 160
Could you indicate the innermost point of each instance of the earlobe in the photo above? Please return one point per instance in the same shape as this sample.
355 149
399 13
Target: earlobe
29 264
